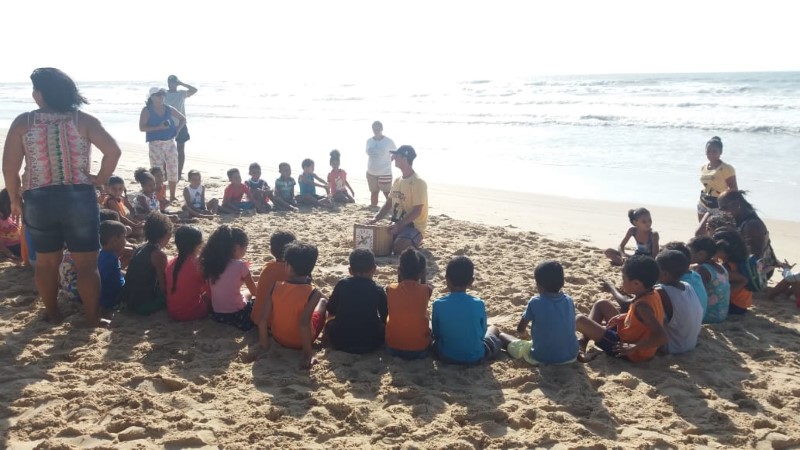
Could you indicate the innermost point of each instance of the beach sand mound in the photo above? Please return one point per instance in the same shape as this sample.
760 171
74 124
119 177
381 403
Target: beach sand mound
150 382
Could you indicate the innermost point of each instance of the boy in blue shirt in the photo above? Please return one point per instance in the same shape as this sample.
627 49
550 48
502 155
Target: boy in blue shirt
112 238
458 320
551 314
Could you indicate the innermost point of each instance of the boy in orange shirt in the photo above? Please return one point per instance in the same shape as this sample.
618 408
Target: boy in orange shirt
637 334
295 308
408 331
273 271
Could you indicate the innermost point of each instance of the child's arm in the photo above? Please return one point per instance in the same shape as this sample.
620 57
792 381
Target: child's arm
187 198
263 322
352 192
625 240
657 338
701 228
251 285
159 261
383 307
305 329
704 274
522 325
654 250
621 299
738 281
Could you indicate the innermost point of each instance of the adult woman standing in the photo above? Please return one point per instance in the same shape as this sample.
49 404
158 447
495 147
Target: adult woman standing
717 178
157 121
60 206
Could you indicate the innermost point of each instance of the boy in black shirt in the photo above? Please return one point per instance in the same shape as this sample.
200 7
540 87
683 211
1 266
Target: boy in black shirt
358 307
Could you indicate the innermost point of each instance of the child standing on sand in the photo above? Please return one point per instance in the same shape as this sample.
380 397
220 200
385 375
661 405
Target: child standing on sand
273 271
683 314
551 315
223 267
309 181
194 196
187 289
715 279
642 233
295 308
637 334
460 331
337 181
145 283
284 188
408 332
357 308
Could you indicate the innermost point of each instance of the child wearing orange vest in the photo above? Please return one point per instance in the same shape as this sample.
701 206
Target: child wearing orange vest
408 331
637 334
273 271
295 308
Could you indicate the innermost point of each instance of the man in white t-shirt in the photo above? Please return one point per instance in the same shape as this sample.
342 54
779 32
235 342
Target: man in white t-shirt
379 166
177 99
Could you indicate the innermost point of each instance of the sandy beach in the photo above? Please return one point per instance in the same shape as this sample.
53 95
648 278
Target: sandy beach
150 382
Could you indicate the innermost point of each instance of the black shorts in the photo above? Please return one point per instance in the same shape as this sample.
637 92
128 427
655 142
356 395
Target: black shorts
183 135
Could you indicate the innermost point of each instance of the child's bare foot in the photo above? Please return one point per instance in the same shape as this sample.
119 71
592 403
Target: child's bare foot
586 357
53 318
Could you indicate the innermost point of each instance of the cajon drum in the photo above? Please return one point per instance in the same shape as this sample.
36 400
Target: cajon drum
374 237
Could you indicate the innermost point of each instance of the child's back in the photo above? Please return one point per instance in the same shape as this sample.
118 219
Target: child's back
459 326
693 279
358 307
718 291
407 327
683 327
111 279
186 294
273 272
288 301
552 317
141 292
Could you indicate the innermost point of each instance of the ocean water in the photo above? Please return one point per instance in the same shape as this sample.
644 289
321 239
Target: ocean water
638 139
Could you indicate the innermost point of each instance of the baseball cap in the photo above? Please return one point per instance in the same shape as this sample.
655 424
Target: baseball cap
405 151
156 90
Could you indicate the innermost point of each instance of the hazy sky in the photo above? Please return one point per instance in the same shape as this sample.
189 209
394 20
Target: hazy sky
372 40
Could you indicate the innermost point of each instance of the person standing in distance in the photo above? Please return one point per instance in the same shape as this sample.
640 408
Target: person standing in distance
408 203
379 165
176 98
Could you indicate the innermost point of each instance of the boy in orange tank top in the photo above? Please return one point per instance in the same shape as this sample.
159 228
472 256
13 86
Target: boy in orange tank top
273 271
637 334
408 331
295 308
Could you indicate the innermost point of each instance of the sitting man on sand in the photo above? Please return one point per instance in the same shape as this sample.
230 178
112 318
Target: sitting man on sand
408 201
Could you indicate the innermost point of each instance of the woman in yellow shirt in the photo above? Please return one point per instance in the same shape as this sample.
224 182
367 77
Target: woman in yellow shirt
717 178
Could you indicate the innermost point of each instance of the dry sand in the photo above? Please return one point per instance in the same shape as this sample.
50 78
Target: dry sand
153 383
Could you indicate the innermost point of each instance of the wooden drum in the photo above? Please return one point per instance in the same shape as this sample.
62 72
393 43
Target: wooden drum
374 237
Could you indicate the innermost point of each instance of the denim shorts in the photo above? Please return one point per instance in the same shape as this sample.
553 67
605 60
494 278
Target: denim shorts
411 233
63 214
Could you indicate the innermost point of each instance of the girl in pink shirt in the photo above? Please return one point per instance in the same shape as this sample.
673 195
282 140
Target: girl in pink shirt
187 289
223 267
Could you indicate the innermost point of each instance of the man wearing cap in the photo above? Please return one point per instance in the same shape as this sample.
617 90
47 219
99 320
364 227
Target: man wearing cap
408 202
379 165
176 99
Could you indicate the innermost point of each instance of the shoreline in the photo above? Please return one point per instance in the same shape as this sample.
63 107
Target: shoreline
600 224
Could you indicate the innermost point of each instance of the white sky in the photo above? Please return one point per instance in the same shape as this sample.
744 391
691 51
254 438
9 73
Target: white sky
373 40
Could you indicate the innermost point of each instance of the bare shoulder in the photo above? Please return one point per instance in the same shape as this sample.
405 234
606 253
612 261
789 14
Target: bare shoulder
20 123
88 119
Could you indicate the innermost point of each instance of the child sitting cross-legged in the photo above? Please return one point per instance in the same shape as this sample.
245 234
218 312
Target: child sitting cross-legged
114 199
460 331
233 195
194 196
551 315
408 331
357 308
260 191
309 181
145 282
112 240
691 277
683 314
223 267
295 308
637 334
273 271
284 189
